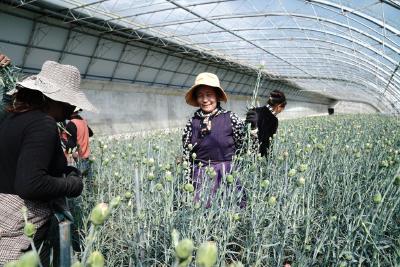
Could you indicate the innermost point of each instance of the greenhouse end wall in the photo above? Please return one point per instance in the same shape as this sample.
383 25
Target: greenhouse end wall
126 108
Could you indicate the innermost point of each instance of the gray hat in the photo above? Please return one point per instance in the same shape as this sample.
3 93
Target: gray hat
60 83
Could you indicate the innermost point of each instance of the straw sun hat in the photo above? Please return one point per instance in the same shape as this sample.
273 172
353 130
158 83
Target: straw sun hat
60 83
208 79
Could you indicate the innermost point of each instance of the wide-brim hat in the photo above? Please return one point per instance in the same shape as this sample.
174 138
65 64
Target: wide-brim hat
58 82
208 79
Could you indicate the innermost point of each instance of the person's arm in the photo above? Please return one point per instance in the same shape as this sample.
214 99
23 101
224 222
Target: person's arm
186 140
187 147
90 132
72 137
32 179
239 130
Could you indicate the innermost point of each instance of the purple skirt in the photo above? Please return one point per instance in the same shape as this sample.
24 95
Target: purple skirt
201 181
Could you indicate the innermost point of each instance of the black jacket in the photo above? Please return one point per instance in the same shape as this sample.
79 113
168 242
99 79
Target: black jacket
32 162
267 125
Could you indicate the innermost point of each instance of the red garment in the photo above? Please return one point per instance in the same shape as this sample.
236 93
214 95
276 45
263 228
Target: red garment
82 138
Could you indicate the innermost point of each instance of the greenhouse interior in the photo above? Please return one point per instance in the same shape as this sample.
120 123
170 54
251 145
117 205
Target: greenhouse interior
200 133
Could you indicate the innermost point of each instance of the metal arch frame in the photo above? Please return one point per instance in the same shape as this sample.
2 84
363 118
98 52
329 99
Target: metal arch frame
166 56
245 84
262 14
329 33
332 43
343 52
119 60
92 56
30 42
165 44
394 49
357 13
229 31
167 9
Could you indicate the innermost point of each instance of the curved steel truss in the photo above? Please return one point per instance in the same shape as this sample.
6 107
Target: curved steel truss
339 48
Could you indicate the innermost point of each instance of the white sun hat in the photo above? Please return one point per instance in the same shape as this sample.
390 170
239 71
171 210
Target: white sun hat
59 82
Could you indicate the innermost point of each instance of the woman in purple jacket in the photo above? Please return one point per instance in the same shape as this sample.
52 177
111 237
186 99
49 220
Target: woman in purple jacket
211 137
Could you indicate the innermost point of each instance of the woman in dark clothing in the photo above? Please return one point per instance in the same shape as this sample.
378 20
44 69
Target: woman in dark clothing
212 136
264 120
33 168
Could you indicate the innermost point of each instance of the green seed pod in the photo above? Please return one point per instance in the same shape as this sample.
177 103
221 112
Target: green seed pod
342 264
95 259
307 247
292 172
194 155
229 178
384 164
168 176
150 161
29 259
197 206
348 256
184 249
99 214
29 229
206 255
128 195
377 198
301 181
213 174
158 187
77 264
150 176
189 187
236 217
264 183
272 201
303 167
115 202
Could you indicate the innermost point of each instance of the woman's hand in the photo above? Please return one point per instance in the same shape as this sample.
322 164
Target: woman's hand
4 61
252 118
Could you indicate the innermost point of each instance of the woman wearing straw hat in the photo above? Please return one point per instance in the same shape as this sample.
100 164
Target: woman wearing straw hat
212 136
33 168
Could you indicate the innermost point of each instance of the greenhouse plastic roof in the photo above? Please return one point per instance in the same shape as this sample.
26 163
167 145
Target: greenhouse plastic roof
341 48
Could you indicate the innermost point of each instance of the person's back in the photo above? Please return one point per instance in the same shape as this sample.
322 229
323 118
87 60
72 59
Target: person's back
267 126
22 149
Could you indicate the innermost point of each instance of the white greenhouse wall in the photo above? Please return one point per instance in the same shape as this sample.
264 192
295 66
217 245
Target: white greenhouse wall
126 108
347 107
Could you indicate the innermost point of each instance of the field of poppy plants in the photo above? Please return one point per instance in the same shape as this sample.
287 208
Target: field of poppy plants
329 195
